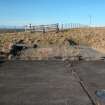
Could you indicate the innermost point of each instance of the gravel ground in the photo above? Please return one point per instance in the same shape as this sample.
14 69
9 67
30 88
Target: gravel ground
85 52
88 53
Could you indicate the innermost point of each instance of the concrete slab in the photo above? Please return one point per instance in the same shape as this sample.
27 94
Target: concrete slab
92 73
39 83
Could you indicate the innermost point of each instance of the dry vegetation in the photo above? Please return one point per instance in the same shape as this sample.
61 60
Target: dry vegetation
94 37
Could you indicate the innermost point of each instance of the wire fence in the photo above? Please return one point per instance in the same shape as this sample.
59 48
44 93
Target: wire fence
72 26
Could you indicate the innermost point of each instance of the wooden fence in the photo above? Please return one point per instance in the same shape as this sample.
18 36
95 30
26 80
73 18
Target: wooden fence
53 27
42 28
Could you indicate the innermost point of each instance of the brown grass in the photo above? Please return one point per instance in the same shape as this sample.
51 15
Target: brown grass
94 37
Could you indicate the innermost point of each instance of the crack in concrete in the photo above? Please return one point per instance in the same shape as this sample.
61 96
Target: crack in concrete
80 81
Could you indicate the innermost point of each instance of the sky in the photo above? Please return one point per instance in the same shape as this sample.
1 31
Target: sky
22 12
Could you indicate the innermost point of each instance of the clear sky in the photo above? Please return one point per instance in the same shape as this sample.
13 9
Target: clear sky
21 12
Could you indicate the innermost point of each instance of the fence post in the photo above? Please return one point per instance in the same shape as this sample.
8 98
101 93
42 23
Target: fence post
26 28
44 29
30 26
62 27
34 28
57 28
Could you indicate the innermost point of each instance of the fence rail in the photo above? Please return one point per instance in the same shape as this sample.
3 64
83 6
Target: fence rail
72 26
53 27
42 28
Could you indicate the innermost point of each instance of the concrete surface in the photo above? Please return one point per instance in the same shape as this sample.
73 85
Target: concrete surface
92 73
41 83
